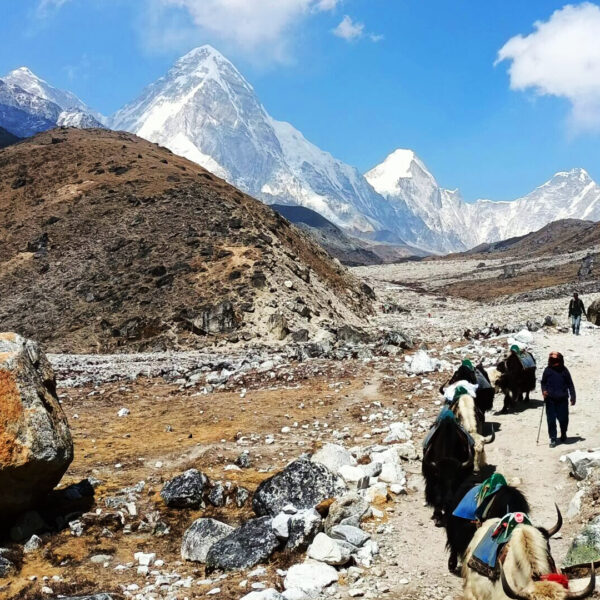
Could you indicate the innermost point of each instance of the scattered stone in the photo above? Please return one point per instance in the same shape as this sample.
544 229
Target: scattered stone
328 550
185 490
200 536
377 494
311 577
353 535
303 526
355 477
399 432
581 461
421 362
216 496
347 510
241 496
333 456
33 543
392 473
145 559
246 546
123 412
243 460
6 567
268 594
302 483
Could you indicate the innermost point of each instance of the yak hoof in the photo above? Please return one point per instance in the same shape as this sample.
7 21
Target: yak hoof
453 564
438 519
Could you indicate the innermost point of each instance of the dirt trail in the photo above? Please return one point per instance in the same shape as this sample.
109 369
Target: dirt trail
415 548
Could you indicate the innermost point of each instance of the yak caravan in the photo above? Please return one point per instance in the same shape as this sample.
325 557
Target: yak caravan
237 366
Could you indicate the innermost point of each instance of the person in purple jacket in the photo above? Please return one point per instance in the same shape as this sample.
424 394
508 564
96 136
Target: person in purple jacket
557 389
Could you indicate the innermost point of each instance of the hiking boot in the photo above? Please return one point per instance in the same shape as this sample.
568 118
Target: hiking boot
552 443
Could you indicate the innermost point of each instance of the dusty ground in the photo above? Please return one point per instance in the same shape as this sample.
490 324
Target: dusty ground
170 429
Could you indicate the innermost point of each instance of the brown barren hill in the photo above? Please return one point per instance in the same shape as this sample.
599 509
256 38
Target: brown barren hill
109 242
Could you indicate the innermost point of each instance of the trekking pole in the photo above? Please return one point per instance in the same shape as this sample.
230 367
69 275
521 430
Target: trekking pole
540 427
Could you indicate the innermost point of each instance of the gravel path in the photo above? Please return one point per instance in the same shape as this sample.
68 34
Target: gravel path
413 555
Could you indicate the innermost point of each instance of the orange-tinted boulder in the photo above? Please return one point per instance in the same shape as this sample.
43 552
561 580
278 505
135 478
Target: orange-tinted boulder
36 447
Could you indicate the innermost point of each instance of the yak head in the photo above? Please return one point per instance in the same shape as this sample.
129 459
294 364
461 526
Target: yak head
547 590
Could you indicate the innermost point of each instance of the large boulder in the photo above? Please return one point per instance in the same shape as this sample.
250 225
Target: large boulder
251 543
593 312
586 546
36 447
200 536
302 483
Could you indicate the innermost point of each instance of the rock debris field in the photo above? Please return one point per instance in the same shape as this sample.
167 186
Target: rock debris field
293 471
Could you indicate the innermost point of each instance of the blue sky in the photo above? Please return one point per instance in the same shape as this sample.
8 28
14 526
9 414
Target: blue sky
358 77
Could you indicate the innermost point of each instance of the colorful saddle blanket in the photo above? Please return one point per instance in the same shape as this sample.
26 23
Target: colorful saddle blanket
485 557
477 500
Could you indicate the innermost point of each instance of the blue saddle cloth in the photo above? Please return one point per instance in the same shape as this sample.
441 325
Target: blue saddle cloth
467 507
488 549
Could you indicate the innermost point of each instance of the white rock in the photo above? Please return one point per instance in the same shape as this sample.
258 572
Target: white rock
123 412
421 362
280 525
389 455
333 456
328 550
310 577
145 560
575 504
295 594
392 473
377 494
354 476
399 432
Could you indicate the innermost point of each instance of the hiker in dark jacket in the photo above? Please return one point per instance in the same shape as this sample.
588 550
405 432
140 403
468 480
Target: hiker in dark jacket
576 309
557 388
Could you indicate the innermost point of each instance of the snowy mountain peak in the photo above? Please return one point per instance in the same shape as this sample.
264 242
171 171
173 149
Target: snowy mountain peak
577 174
400 164
29 82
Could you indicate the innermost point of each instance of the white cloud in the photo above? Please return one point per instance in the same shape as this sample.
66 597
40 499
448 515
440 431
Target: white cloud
44 7
260 27
348 29
561 58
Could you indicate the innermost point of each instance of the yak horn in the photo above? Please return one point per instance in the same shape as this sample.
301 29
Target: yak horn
467 463
554 530
589 588
508 590
490 438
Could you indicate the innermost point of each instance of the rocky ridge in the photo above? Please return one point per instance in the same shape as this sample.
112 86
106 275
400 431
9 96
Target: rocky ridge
127 245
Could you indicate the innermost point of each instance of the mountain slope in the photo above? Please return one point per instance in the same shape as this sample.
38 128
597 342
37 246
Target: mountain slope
349 251
29 105
205 110
7 138
109 242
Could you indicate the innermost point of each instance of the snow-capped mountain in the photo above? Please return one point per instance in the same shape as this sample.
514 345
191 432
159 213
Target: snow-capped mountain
29 105
405 182
452 224
205 110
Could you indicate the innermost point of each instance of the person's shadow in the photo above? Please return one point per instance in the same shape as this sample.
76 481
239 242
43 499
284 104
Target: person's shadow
573 440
